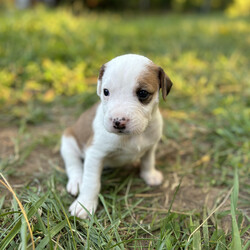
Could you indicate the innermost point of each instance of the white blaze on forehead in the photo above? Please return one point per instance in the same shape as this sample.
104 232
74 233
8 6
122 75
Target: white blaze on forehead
129 59
123 71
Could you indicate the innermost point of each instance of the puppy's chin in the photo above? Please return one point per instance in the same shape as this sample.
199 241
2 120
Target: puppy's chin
121 132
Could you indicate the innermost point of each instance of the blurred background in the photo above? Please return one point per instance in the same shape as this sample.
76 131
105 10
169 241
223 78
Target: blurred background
46 43
203 6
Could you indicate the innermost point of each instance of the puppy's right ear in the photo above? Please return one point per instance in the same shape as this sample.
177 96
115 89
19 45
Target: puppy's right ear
165 83
99 82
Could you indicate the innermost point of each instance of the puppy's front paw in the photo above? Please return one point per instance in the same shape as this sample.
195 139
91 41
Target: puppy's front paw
76 208
74 184
152 178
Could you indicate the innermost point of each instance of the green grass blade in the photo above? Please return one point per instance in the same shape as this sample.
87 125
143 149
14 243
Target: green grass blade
197 238
38 204
2 199
174 196
107 212
48 231
15 207
205 231
53 231
16 229
247 246
41 224
236 241
65 214
23 232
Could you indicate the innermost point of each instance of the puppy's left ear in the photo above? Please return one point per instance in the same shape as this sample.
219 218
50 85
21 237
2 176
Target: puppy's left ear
165 83
99 82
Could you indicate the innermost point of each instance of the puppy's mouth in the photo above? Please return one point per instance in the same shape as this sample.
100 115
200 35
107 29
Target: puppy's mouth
121 132
124 132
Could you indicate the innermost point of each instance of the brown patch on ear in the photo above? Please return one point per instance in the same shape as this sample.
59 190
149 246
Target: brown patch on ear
82 130
99 82
101 73
165 83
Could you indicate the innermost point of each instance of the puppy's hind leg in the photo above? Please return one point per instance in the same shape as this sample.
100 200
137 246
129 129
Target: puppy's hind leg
73 163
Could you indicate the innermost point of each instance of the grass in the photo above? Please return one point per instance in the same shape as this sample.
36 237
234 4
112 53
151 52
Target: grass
48 68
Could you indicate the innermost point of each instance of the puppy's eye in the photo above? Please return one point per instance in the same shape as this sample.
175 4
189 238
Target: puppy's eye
106 92
142 94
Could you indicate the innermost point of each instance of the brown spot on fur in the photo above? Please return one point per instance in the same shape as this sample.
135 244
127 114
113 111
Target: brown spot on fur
149 81
154 78
101 73
82 130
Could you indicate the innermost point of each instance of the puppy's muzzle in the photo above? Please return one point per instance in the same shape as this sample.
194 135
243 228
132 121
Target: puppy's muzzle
120 123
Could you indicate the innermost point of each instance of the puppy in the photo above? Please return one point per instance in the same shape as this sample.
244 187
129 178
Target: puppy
123 128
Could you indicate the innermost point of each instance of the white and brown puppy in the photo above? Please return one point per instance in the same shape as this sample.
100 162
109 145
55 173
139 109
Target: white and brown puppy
123 128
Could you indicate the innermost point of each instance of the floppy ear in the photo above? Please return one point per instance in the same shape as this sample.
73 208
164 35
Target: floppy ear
165 83
99 82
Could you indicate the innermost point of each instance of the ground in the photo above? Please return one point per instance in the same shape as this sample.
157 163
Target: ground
49 79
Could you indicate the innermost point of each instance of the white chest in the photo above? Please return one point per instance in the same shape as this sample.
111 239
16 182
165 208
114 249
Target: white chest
129 151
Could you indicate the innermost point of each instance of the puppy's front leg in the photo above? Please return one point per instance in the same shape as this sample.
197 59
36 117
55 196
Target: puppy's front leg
73 163
148 172
91 185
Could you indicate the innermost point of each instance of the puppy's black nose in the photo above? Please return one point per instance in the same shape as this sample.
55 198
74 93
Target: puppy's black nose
119 123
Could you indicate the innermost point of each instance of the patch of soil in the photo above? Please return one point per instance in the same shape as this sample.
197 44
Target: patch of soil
189 196
7 146
39 160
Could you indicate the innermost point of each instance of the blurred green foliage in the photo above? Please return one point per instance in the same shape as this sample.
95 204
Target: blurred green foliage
239 7
44 54
234 7
170 5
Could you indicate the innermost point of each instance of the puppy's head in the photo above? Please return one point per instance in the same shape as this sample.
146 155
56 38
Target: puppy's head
129 88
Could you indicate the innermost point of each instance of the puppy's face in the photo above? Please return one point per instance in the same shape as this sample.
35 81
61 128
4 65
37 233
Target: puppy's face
129 88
